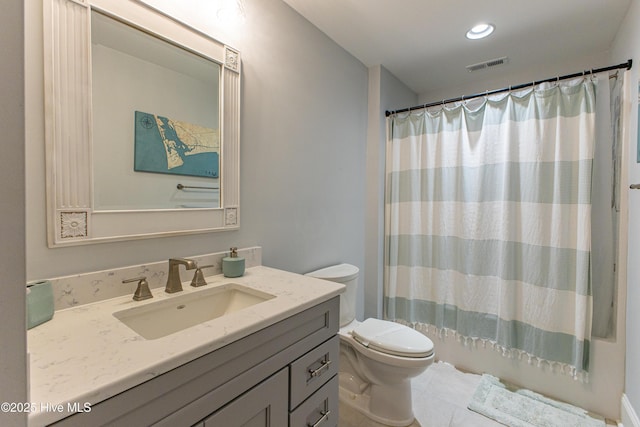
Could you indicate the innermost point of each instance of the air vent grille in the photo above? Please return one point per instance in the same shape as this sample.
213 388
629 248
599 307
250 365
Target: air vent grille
488 64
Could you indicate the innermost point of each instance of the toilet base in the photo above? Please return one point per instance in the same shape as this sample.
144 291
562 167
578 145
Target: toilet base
361 402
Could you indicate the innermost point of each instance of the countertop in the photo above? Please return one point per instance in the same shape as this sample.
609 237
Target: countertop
85 355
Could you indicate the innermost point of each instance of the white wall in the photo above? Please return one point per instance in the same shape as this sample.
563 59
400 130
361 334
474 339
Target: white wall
602 394
627 45
386 92
12 213
303 141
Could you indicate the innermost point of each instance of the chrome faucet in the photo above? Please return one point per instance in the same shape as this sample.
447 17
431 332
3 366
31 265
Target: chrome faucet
174 284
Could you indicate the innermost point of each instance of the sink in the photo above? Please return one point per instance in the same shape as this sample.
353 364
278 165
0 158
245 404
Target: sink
162 318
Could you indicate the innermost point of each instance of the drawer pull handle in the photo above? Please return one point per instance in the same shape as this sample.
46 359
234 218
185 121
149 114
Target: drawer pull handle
317 372
325 417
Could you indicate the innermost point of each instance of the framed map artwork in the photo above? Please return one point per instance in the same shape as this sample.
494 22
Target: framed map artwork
163 145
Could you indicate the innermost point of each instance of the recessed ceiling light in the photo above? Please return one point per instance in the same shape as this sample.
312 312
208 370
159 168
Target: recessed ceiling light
480 31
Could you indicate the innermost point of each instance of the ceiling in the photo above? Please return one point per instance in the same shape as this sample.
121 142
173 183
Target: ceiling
423 43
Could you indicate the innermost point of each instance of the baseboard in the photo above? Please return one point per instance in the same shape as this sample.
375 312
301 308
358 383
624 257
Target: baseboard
628 414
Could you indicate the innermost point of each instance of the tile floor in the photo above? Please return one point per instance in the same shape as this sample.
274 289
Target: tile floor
440 398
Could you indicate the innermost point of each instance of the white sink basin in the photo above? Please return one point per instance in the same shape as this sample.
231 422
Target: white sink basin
162 318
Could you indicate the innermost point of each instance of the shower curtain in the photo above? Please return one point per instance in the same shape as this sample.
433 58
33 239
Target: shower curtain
488 222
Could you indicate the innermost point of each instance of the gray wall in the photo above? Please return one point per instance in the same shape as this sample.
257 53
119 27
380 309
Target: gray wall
386 92
12 213
303 140
627 45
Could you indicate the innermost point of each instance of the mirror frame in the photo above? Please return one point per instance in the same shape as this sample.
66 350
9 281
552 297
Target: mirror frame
71 217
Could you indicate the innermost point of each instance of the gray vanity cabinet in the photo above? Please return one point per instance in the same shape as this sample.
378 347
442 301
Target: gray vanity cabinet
282 375
263 406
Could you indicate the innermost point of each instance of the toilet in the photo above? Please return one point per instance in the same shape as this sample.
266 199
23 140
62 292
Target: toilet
378 358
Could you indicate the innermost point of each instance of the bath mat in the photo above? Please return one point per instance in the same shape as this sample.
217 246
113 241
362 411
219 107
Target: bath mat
523 408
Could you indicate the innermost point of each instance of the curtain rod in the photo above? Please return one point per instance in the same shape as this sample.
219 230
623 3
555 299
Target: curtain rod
626 65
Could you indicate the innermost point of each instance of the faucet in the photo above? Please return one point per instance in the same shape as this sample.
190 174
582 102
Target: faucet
174 284
142 291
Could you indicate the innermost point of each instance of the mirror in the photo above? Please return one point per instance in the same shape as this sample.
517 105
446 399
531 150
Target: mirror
155 121
142 125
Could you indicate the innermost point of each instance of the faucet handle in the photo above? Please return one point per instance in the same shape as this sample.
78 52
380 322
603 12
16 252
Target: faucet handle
198 277
142 291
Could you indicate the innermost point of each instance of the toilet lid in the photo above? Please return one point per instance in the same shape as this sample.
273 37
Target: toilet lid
392 338
337 273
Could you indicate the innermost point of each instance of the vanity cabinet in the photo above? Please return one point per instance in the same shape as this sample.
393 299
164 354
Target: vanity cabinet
284 374
263 405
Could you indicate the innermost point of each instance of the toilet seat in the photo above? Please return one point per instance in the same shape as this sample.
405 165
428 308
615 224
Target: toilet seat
392 338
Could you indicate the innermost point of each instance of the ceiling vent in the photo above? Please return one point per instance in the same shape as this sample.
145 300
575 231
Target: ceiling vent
487 64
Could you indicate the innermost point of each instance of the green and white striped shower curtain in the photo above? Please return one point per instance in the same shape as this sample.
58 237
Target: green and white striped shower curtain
488 222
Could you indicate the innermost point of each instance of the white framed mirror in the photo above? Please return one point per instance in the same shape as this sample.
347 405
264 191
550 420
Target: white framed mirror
142 120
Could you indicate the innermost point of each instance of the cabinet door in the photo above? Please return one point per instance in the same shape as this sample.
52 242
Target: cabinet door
265 405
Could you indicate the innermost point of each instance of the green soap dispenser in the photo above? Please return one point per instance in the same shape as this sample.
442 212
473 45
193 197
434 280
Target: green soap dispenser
233 265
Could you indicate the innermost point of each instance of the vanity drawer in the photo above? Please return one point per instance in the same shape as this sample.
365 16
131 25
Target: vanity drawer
319 410
311 371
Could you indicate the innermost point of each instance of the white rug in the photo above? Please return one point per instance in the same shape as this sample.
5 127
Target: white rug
524 408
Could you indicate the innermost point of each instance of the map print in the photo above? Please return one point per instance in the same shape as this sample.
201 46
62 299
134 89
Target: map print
163 145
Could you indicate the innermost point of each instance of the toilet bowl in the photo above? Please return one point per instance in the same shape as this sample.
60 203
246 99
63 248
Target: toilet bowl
378 358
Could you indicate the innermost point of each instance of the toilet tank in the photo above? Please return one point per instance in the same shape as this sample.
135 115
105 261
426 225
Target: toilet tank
346 274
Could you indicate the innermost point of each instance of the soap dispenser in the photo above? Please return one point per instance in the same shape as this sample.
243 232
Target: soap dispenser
233 265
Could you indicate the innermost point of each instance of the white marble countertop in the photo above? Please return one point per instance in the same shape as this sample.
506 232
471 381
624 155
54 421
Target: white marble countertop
85 355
